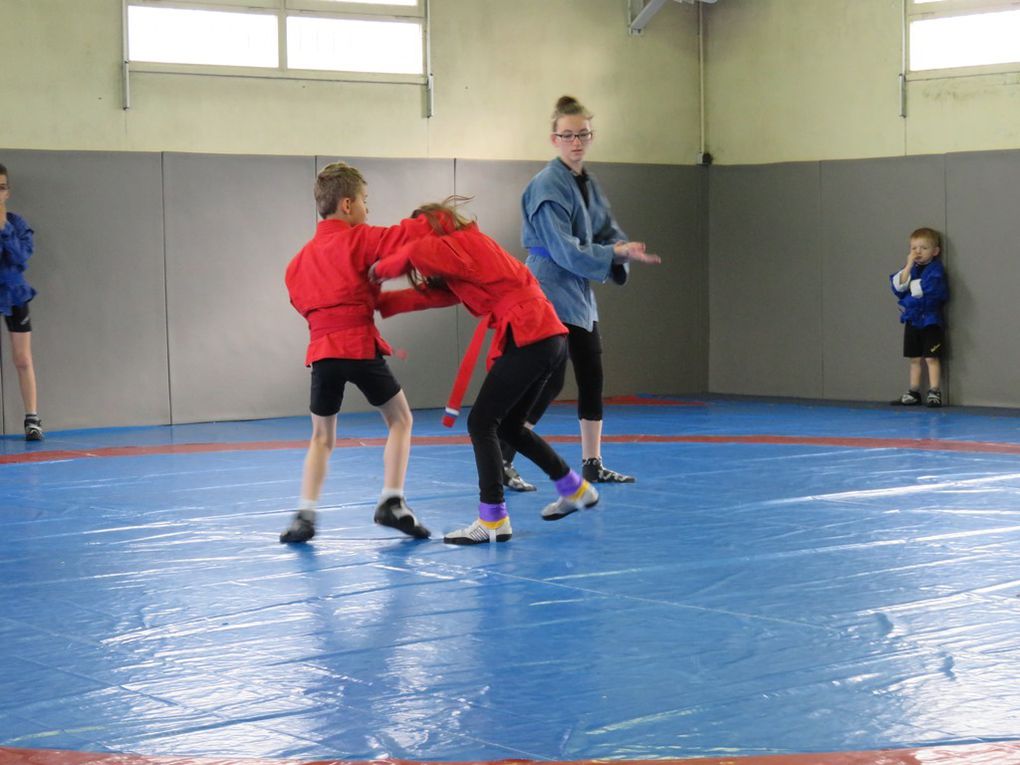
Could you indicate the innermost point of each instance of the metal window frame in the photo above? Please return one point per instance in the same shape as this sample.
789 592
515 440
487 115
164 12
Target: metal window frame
916 11
282 10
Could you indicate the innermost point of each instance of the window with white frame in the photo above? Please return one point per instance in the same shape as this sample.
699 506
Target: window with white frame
963 35
294 38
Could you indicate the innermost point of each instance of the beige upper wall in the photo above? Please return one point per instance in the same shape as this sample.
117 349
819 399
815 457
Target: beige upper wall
808 80
790 80
499 67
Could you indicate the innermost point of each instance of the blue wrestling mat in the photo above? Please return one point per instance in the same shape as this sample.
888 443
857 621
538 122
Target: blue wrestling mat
784 578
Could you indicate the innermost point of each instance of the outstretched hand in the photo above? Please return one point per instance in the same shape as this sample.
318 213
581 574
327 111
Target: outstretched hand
634 252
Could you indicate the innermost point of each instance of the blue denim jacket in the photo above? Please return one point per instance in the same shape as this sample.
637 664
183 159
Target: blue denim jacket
16 246
570 245
924 309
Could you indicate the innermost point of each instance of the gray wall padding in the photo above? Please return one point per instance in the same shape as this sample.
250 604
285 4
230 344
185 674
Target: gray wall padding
866 220
655 328
984 229
232 224
99 320
162 298
800 258
765 281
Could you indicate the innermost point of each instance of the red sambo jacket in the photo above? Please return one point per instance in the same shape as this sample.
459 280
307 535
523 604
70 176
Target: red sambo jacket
328 285
483 276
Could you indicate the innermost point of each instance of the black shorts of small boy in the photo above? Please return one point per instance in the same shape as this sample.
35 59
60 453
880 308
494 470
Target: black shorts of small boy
18 320
923 342
329 377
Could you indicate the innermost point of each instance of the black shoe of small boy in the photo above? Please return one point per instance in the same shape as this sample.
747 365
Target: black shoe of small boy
33 428
301 529
934 398
395 513
512 479
910 398
593 472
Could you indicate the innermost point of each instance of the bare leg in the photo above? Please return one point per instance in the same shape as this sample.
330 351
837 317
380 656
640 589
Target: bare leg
934 373
393 510
320 447
915 374
397 415
21 343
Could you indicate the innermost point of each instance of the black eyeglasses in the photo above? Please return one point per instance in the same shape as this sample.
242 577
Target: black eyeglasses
584 136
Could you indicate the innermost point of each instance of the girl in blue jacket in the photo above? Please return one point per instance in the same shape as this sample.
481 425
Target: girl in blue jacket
572 241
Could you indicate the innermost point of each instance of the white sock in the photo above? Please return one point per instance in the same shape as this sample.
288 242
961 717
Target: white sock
388 493
306 509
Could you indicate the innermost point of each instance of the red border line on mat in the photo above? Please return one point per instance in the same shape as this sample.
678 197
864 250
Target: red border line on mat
923 444
972 754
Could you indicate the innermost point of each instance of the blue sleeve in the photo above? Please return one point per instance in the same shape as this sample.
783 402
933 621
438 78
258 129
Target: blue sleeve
16 242
935 286
606 229
591 261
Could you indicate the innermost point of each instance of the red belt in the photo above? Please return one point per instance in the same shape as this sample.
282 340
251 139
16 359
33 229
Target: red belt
322 323
467 364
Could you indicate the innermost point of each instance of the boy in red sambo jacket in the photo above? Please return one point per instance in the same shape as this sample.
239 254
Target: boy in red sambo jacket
328 285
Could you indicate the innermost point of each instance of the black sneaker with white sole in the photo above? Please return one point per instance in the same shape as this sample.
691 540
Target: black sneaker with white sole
395 513
512 479
33 428
301 529
594 471
910 398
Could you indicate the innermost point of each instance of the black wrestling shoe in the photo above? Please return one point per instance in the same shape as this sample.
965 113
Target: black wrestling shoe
934 398
395 513
512 479
33 428
910 398
593 472
301 529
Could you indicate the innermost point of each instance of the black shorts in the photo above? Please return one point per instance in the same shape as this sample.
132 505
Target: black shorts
18 320
329 377
923 342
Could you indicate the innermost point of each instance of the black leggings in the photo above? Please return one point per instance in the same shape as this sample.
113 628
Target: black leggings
499 412
585 351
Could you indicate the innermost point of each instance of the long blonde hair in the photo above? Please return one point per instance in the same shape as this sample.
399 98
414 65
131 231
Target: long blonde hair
442 215
445 218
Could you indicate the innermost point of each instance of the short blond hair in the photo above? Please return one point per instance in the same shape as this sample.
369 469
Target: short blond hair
336 181
930 234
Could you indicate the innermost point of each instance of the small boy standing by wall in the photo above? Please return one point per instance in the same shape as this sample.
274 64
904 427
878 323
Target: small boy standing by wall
16 245
922 289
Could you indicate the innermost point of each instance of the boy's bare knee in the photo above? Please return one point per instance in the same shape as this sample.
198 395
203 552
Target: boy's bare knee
22 361
324 441
397 413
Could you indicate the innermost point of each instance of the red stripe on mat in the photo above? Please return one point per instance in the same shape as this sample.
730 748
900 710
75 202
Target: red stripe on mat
924 444
976 754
